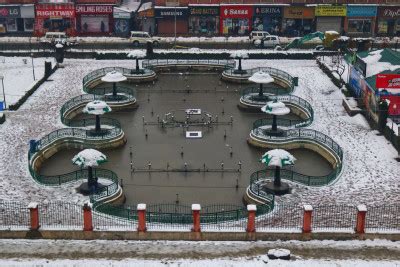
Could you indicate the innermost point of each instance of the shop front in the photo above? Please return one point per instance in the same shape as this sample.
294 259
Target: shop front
171 20
330 18
55 18
204 20
235 20
298 21
388 21
267 18
12 20
94 19
146 21
360 20
122 22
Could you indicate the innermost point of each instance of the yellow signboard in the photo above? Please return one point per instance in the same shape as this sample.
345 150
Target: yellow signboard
330 11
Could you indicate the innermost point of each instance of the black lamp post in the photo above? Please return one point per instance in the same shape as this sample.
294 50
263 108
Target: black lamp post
33 67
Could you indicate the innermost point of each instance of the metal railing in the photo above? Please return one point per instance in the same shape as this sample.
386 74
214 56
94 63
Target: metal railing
60 215
226 63
14 215
250 91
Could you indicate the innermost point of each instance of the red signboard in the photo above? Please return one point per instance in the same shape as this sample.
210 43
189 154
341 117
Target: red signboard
94 9
236 12
55 11
388 81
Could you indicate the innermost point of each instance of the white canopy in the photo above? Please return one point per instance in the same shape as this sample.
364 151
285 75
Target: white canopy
261 77
113 77
239 54
275 108
137 54
278 158
96 107
89 158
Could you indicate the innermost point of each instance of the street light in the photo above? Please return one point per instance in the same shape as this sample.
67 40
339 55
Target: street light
33 68
4 95
175 28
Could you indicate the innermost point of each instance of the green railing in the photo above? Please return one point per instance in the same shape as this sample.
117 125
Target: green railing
276 73
226 63
253 90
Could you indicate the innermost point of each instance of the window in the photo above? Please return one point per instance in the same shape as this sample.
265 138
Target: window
11 25
28 24
359 26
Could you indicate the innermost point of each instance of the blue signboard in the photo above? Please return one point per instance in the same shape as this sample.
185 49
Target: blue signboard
355 81
361 11
1 105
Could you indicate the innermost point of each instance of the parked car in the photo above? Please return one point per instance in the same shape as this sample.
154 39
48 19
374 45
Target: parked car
141 38
58 37
270 41
257 35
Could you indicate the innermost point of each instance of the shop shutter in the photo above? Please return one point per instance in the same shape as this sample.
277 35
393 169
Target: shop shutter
329 24
167 27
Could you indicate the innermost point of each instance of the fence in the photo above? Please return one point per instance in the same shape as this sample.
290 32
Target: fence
226 63
287 218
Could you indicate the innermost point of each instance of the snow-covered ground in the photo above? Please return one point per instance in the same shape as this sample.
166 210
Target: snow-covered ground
207 253
18 75
370 174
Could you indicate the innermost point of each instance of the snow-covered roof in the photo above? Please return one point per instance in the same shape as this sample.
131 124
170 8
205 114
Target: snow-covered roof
261 77
275 108
278 158
89 158
113 77
97 107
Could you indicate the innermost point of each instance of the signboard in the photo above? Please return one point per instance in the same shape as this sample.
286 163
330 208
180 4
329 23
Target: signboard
267 10
361 66
121 14
330 11
388 81
356 82
94 9
362 11
389 12
171 12
55 11
10 11
236 12
1 105
295 12
203 11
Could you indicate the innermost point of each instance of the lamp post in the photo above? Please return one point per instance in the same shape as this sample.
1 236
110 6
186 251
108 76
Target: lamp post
175 28
33 68
4 95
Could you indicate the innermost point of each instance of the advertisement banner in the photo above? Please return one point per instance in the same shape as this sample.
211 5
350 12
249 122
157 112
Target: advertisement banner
10 11
361 11
203 11
54 11
267 11
171 12
236 12
388 81
389 12
356 82
298 12
94 9
330 11
394 106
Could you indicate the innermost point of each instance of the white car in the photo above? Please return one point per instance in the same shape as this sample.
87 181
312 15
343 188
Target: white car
58 37
258 35
271 41
141 38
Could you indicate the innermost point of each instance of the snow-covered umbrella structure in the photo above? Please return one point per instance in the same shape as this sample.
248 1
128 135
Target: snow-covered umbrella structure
277 158
239 54
137 54
89 158
275 108
261 77
114 77
97 108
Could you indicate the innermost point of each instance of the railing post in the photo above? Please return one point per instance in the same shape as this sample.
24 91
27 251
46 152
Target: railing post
34 214
307 218
141 210
87 217
196 218
251 218
361 215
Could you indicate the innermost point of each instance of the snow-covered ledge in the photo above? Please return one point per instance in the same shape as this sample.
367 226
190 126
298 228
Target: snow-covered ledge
196 207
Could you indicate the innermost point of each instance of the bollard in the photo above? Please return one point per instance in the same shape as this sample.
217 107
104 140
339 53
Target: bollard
141 210
251 218
34 214
87 217
196 218
361 214
307 218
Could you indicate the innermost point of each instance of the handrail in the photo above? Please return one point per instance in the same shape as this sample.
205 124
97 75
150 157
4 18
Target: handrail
226 63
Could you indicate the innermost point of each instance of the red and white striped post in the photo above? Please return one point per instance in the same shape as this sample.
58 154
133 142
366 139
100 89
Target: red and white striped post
251 218
307 218
87 217
141 210
34 215
361 215
196 218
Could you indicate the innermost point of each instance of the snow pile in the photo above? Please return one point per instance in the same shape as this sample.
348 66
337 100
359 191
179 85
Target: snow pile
113 77
278 158
137 54
275 108
89 158
239 54
374 66
280 253
261 77
97 107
